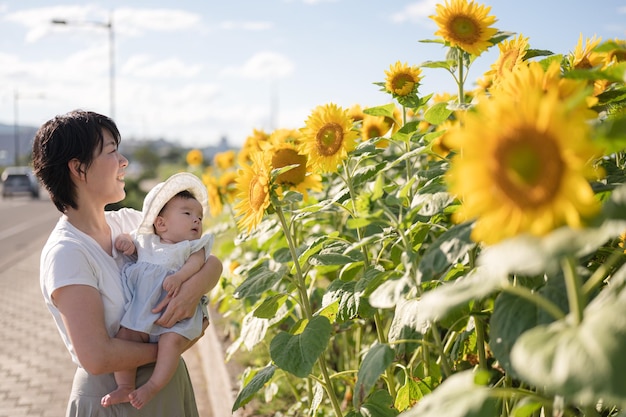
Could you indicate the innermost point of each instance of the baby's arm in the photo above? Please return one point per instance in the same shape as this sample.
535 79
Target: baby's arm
194 263
124 243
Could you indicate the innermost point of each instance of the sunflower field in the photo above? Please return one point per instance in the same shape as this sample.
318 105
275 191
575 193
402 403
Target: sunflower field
442 255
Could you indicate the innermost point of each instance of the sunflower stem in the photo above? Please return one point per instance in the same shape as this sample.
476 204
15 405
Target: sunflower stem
602 272
348 180
573 285
301 286
480 340
459 81
541 302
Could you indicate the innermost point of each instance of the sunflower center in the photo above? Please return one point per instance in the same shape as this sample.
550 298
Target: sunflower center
329 139
258 192
373 132
508 61
584 64
286 157
464 29
528 168
403 83
619 55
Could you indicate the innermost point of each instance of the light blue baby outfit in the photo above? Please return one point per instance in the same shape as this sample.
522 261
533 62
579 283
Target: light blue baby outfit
143 284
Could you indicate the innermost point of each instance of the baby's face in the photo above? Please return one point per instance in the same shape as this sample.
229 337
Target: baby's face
181 220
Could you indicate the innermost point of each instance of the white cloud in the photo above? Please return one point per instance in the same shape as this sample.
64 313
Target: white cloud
39 21
127 21
263 65
415 12
318 1
137 21
247 25
142 66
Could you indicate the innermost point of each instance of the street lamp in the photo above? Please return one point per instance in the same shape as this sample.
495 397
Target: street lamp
109 26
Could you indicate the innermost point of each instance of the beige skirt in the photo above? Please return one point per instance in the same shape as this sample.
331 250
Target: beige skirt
175 400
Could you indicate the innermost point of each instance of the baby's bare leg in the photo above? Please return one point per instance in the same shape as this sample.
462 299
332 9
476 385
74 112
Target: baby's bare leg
171 346
125 379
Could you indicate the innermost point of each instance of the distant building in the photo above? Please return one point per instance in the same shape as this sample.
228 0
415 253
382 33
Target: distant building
25 136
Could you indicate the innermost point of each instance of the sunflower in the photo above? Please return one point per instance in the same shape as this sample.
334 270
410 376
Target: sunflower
251 145
227 183
299 178
253 185
215 199
194 157
465 25
402 79
511 55
224 160
532 76
281 136
522 166
356 113
583 56
328 137
375 127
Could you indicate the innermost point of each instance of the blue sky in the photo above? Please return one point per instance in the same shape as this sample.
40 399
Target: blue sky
196 71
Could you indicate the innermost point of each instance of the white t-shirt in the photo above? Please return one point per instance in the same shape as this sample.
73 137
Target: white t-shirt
70 257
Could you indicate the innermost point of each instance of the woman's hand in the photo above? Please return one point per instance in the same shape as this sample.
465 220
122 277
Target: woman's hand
184 304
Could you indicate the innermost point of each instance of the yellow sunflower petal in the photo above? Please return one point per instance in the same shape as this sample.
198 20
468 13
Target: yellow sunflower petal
465 25
253 184
521 166
328 137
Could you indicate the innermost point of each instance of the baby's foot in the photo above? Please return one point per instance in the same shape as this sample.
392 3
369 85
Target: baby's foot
120 395
142 395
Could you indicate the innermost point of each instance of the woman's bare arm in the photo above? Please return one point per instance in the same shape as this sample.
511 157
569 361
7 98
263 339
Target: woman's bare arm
184 304
82 312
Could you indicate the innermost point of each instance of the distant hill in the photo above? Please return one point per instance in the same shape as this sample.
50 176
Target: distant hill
25 134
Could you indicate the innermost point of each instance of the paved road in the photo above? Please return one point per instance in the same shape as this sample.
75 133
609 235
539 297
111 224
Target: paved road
35 368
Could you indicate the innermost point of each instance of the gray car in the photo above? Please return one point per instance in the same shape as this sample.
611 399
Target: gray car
19 180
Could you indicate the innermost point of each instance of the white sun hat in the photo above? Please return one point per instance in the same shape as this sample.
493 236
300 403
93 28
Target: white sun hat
164 191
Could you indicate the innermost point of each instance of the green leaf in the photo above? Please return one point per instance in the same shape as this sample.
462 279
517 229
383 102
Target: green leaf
257 382
457 396
612 133
331 259
259 280
438 303
270 306
437 113
511 317
413 390
315 246
385 111
534 53
406 325
583 362
526 408
375 362
343 293
297 354
349 271
437 64
531 255
445 251
379 404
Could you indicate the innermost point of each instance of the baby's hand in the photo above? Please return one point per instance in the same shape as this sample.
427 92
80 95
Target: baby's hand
125 245
172 284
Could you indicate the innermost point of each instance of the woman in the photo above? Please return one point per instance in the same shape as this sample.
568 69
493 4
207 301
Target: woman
76 158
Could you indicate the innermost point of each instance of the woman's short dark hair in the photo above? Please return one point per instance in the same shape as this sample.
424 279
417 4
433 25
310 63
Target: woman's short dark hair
74 135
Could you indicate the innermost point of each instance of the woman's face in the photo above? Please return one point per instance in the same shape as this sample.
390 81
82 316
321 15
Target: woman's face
105 176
